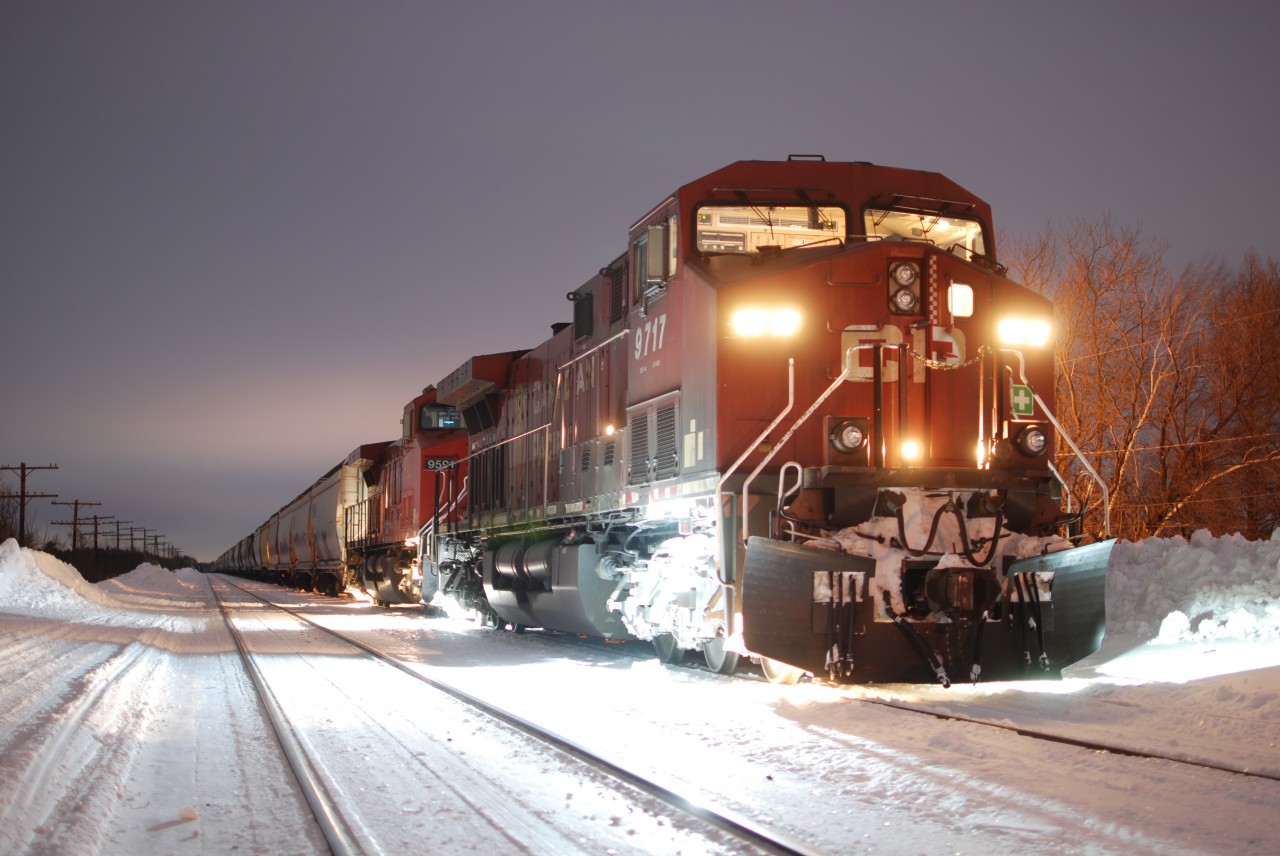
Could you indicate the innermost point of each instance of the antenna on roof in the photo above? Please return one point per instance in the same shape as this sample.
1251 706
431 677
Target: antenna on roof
807 157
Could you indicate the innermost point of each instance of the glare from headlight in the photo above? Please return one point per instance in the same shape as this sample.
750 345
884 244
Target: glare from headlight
1023 331
752 322
910 450
784 322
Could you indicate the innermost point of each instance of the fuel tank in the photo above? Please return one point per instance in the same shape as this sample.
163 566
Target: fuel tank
548 583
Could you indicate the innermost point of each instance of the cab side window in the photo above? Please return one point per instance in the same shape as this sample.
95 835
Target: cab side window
654 256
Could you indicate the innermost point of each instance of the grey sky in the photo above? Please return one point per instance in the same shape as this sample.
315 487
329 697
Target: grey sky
235 237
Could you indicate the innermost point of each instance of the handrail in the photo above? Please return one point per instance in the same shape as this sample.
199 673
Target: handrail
791 402
848 370
1084 462
1057 475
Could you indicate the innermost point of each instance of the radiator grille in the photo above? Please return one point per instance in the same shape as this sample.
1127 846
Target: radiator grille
667 460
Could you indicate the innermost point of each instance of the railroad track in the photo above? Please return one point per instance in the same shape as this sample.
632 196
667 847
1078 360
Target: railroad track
1053 737
1046 735
340 828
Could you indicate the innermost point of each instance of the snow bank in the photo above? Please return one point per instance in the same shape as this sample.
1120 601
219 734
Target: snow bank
1170 590
38 584
152 585
35 582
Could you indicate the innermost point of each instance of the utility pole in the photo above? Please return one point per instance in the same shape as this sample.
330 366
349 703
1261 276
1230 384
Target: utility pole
22 496
76 504
96 520
118 523
144 530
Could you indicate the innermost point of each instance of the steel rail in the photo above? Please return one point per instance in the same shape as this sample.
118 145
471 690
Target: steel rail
1050 737
1033 733
696 804
341 840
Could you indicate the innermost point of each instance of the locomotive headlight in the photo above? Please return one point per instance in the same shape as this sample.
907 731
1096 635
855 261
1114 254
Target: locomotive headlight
905 300
910 450
1023 331
751 322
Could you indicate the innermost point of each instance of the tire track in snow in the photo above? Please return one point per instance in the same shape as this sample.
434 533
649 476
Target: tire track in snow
72 757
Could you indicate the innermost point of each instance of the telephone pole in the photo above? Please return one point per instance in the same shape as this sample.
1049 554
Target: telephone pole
22 496
96 520
118 524
76 504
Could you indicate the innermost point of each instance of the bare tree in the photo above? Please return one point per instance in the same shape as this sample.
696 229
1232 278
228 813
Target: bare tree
1168 382
8 512
1226 435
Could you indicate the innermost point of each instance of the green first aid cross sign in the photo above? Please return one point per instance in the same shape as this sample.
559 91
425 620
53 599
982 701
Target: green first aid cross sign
1024 404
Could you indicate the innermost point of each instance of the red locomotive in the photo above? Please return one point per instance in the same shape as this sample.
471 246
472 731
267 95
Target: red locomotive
804 418
414 487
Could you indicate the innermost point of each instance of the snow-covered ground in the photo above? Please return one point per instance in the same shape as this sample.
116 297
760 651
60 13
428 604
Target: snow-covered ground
127 724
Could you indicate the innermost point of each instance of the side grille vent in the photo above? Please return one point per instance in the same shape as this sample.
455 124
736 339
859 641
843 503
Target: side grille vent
667 460
616 294
639 434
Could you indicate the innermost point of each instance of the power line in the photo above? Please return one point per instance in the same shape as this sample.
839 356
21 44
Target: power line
76 504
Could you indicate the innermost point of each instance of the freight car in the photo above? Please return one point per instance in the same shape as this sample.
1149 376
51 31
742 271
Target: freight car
302 544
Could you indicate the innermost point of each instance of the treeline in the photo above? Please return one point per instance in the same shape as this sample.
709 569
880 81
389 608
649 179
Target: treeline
1166 380
94 565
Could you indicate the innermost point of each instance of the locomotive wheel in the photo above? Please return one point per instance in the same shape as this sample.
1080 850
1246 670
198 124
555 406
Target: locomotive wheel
668 651
776 672
719 660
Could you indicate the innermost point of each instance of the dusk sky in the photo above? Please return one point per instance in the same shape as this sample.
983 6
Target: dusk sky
236 237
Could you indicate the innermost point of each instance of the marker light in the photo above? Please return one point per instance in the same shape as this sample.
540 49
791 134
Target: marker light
1033 441
753 322
848 437
1023 331
960 300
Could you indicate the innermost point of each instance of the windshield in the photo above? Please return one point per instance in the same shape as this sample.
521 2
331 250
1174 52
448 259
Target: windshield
751 228
951 233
